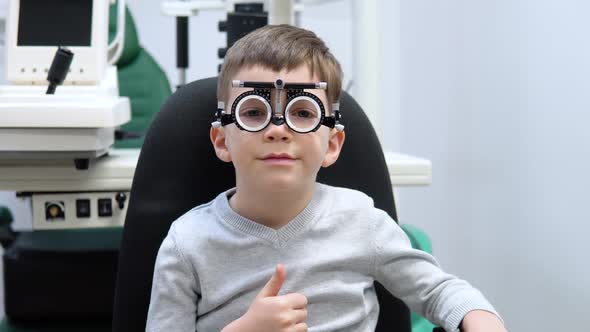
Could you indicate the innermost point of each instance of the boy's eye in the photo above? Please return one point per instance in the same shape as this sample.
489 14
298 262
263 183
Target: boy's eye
252 113
303 113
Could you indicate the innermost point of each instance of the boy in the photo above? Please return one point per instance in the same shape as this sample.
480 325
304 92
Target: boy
280 252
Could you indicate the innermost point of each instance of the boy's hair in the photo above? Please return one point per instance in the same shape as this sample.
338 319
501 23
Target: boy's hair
278 47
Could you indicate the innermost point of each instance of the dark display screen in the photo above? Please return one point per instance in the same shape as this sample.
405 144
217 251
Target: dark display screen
55 23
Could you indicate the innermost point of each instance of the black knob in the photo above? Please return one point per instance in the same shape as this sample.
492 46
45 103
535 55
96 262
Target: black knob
222 26
221 52
121 198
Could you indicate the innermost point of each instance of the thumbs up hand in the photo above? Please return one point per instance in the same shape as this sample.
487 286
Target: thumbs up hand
273 286
271 312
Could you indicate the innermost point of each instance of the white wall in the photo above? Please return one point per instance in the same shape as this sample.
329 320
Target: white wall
3 195
495 93
3 14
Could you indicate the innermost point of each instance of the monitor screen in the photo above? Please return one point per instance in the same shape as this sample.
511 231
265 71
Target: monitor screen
55 23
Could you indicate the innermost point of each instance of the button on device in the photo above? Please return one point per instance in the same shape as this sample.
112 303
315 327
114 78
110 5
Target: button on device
105 207
83 208
120 198
55 211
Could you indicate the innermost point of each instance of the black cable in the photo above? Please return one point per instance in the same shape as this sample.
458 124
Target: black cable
59 68
50 89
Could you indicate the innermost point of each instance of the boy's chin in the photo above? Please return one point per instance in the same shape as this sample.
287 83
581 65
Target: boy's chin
281 184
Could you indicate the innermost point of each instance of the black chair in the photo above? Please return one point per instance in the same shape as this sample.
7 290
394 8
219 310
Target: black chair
178 170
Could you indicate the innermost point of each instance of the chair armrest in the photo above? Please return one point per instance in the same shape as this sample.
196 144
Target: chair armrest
420 241
418 238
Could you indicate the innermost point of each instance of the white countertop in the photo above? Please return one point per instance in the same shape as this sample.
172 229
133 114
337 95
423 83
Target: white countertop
115 172
405 170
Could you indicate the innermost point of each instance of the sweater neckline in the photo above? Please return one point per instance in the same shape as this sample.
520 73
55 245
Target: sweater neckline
279 236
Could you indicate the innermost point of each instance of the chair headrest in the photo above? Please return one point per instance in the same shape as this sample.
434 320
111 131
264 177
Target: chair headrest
131 45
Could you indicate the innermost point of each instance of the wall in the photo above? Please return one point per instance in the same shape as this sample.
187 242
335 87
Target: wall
495 93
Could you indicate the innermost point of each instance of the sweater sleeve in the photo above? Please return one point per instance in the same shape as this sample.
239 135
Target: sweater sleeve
175 290
415 277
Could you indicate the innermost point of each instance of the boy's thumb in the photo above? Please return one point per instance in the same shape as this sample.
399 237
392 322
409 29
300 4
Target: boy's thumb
273 286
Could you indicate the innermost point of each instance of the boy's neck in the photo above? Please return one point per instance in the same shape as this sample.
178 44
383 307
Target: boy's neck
271 209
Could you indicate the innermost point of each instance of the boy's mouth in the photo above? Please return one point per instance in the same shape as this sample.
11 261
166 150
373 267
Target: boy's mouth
279 157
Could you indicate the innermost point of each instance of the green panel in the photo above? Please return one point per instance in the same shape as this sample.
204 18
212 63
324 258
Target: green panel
131 45
147 87
140 78
72 240
420 241
418 237
421 324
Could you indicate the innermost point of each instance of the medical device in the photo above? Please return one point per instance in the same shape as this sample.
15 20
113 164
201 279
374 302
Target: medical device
242 18
78 122
58 119
36 27
304 111
60 114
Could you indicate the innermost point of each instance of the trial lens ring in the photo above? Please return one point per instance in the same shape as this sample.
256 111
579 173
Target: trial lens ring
236 110
307 97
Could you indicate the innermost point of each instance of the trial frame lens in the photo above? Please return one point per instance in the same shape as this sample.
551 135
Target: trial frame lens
252 122
303 124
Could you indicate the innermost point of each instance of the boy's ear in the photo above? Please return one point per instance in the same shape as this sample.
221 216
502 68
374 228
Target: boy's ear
217 136
335 143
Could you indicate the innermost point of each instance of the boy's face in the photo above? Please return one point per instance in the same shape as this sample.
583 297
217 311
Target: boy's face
276 158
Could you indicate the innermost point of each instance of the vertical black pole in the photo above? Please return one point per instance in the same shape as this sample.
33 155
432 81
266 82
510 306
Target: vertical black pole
182 48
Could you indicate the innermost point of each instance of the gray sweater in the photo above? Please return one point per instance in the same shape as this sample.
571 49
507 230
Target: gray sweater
214 262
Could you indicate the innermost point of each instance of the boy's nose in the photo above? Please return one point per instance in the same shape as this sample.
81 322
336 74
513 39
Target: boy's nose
278 130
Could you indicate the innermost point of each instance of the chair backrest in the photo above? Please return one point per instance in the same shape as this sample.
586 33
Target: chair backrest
178 170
